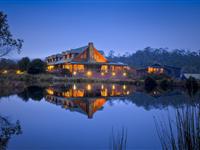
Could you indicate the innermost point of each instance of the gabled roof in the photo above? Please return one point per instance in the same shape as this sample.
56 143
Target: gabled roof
77 50
81 49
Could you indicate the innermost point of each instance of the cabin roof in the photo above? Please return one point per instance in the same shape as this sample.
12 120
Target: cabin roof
164 66
194 75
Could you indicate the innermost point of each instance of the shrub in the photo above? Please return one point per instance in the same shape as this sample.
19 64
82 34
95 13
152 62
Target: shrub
37 66
23 63
150 84
191 85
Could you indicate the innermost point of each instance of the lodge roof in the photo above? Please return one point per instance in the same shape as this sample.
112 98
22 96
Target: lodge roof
81 55
71 62
75 50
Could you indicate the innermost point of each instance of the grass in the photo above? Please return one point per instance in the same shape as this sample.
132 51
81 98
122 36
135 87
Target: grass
52 79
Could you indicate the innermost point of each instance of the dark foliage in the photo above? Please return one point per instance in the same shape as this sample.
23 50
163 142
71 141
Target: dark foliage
187 60
23 63
150 84
36 66
7 42
7 64
33 92
192 86
166 84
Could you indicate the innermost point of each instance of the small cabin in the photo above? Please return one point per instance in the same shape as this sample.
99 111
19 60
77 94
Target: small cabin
157 69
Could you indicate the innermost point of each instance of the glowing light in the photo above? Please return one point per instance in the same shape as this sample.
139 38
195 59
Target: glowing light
104 68
102 73
89 73
113 73
113 86
19 72
127 92
104 92
124 74
74 73
102 86
74 86
50 91
5 72
124 87
51 67
89 87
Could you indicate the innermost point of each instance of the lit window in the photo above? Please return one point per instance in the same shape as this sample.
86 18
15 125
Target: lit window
50 91
51 67
104 68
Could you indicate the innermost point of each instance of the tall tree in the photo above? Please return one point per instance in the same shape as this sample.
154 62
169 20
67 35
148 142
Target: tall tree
7 42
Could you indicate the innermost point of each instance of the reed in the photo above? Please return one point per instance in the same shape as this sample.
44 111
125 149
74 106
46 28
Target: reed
181 133
118 140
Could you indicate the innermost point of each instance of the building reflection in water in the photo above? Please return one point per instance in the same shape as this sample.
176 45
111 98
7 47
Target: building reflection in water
85 98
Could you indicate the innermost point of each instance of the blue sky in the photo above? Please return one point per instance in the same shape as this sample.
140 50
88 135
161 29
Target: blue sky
49 27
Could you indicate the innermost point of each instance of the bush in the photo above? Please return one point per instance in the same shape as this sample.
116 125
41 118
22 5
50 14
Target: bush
23 64
37 66
150 84
191 85
165 84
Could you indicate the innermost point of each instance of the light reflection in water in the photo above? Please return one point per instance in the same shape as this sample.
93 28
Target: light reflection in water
83 98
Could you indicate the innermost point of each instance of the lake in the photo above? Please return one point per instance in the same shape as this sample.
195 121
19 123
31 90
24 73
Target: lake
87 115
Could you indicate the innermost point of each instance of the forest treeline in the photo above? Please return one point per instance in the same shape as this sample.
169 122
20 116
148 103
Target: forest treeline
189 61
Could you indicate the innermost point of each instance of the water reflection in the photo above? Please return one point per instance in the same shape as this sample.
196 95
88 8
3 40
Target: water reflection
7 129
128 106
88 98
85 98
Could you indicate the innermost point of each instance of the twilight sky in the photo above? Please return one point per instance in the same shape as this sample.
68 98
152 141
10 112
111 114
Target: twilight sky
49 27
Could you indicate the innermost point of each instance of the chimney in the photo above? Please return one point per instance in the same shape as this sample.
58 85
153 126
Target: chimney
90 52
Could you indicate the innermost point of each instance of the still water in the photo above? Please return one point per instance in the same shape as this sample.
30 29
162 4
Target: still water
85 116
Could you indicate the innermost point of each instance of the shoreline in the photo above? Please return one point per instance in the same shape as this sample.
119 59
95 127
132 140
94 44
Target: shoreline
49 79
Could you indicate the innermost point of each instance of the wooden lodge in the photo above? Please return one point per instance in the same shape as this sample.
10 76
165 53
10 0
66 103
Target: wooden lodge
86 61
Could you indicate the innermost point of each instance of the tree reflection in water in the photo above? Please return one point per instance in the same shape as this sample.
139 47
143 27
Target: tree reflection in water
7 129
